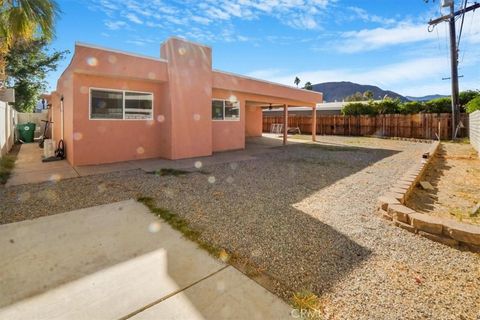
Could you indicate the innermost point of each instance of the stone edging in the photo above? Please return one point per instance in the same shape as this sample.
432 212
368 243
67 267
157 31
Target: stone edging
391 206
418 140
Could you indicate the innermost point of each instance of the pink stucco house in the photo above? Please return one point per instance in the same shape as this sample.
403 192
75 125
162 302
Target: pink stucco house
112 106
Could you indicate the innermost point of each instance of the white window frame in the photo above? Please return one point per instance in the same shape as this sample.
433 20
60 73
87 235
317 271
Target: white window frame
224 100
123 104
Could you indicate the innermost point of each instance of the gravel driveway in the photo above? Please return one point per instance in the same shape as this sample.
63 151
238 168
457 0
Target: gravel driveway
303 215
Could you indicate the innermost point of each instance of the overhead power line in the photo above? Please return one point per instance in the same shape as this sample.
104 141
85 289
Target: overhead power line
451 18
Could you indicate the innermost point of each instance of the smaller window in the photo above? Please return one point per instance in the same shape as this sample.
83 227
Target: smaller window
232 110
225 110
138 105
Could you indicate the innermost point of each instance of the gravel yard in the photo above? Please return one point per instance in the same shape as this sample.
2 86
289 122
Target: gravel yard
303 215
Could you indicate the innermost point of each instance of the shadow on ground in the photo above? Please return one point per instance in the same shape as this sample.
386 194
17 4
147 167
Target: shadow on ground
421 199
247 208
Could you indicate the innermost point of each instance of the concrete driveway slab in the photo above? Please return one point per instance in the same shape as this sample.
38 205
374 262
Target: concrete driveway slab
104 262
81 264
227 294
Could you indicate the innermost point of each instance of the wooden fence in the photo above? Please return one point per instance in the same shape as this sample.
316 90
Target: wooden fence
419 126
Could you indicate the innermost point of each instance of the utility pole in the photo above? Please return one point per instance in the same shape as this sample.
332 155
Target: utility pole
453 55
454 70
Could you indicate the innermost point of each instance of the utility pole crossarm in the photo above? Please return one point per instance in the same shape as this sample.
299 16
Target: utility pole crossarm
459 12
450 18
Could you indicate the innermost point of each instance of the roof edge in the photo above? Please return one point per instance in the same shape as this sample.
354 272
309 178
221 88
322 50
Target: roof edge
93 46
266 81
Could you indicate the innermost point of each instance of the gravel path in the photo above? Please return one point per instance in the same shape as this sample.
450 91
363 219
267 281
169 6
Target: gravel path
304 216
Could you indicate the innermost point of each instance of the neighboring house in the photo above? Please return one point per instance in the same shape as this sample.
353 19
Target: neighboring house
328 108
112 106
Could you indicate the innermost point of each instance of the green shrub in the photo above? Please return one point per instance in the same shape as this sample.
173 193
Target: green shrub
412 107
466 96
439 105
473 105
469 101
359 108
387 106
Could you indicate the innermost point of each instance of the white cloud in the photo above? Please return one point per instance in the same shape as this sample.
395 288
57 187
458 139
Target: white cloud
115 25
403 32
371 39
395 76
133 18
201 20
414 77
299 14
363 15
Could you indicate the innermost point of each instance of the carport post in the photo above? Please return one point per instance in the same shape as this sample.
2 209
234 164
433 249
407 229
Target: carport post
285 123
314 124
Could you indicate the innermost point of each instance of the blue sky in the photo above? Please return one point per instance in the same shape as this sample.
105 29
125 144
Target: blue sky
379 42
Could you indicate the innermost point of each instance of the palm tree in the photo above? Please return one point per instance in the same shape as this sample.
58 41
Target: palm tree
296 81
24 20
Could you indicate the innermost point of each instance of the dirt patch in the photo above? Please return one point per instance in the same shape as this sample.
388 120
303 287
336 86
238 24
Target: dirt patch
455 176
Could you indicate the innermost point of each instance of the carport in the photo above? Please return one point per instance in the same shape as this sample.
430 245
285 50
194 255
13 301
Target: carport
275 104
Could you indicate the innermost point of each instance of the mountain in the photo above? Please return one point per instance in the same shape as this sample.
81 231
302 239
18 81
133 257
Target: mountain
338 91
426 98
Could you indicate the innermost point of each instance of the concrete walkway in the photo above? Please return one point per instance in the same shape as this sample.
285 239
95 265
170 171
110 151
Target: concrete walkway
29 167
118 261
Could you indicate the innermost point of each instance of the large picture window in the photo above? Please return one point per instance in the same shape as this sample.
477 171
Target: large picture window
115 104
225 110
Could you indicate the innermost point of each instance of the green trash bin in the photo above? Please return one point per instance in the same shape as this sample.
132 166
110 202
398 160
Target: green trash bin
26 131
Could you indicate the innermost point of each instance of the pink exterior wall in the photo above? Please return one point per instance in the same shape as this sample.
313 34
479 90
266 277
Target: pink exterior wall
104 141
253 121
190 90
228 135
95 61
65 88
55 115
183 85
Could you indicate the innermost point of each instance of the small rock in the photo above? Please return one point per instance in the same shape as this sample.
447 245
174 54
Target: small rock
475 211
426 185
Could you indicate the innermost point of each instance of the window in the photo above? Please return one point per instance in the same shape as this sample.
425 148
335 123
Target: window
106 104
217 109
138 105
225 110
114 104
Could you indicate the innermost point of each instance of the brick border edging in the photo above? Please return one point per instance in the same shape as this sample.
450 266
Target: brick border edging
391 206
418 140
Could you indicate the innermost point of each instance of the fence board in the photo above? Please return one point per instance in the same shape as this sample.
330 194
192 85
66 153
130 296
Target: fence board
7 115
418 126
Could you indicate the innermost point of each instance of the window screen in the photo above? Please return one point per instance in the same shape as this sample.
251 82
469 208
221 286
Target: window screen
232 110
138 105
